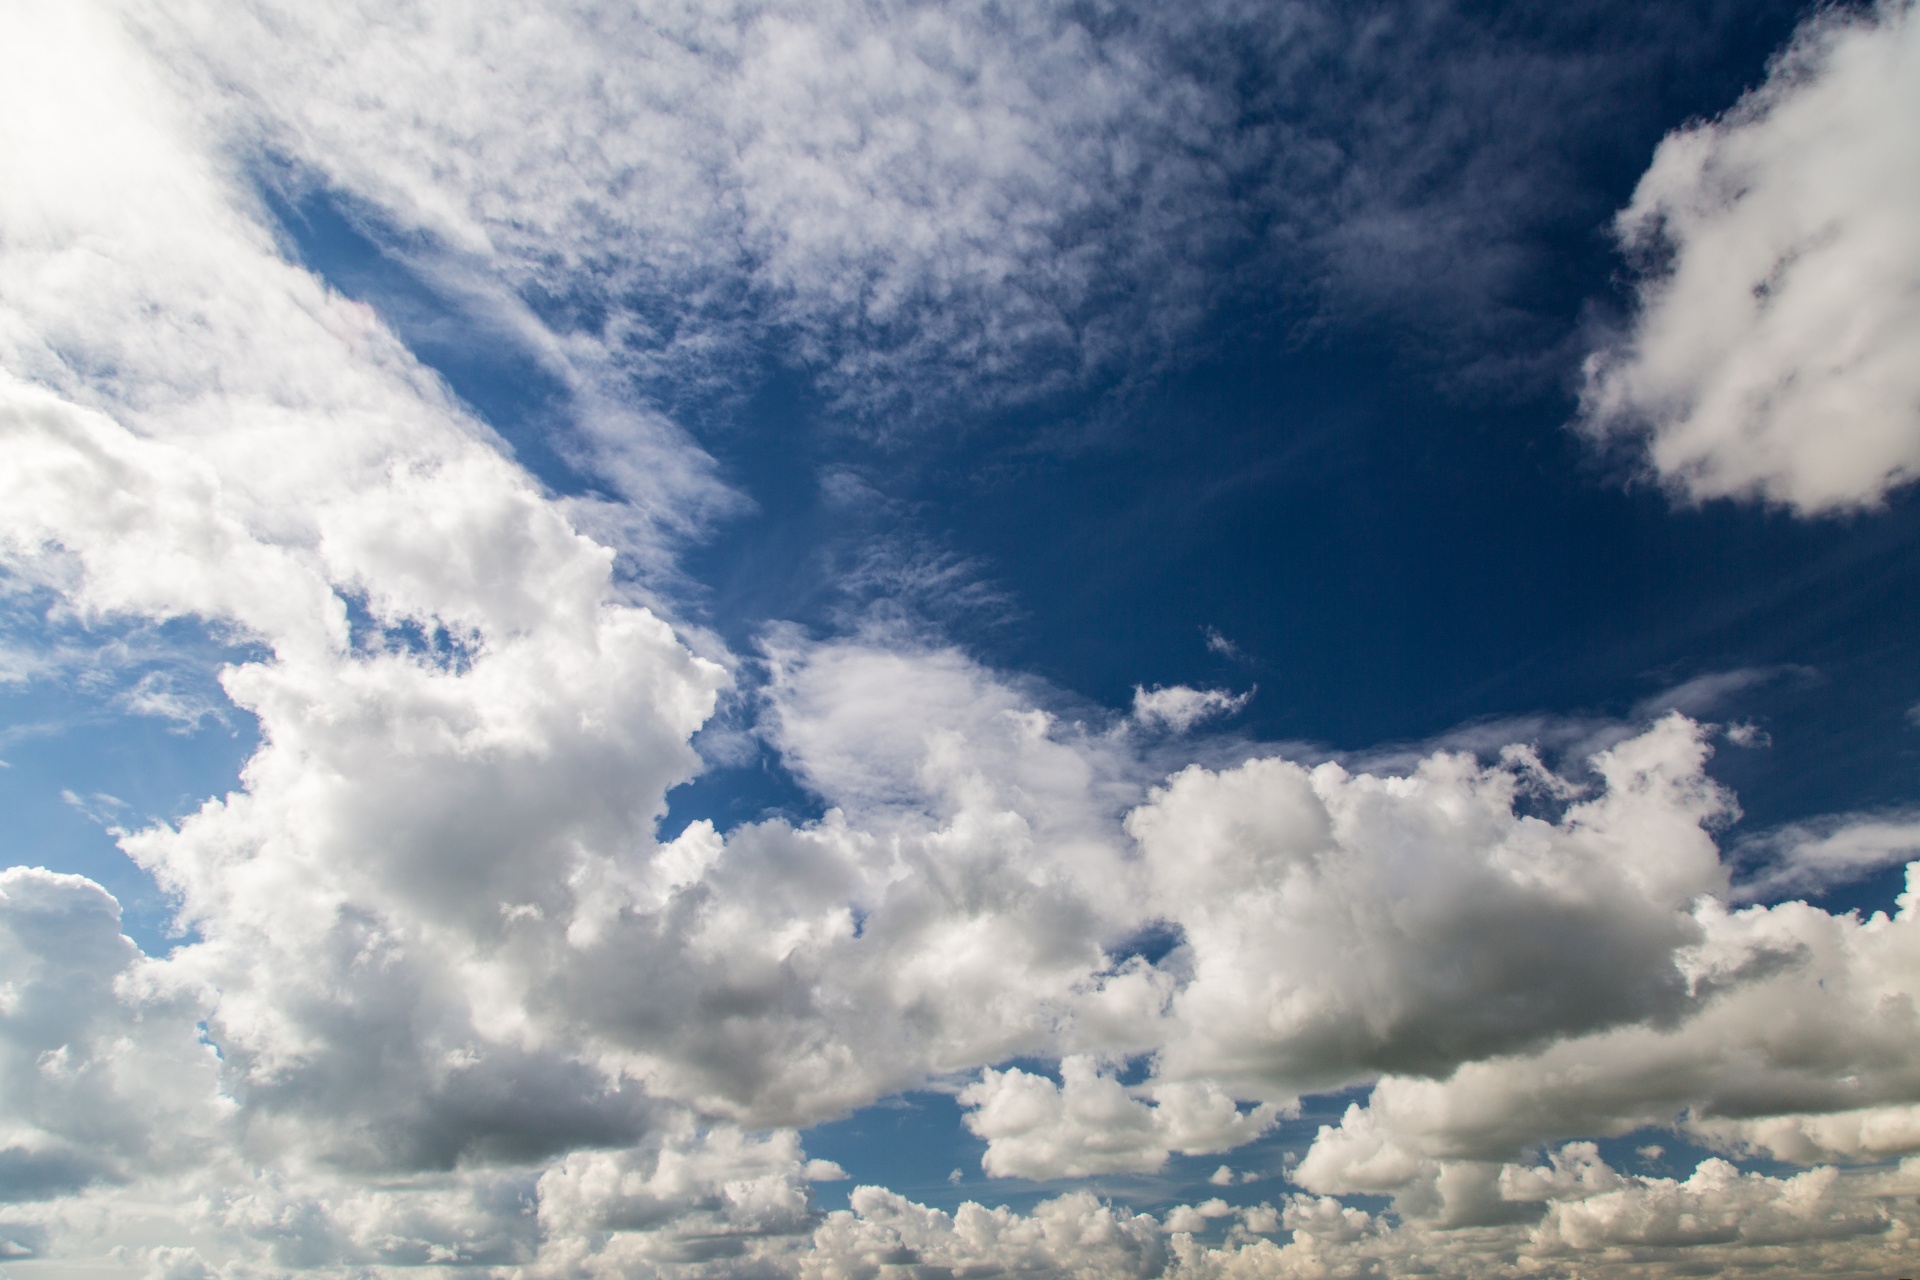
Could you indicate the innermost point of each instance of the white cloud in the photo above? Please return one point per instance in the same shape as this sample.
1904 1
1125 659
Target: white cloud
1340 925
105 1080
927 203
448 1000
609 1212
1790 1050
1074 1235
158 693
1178 708
919 207
1194 1217
1090 1124
1613 1226
1218 643
1808 857
1772 354
1716 1204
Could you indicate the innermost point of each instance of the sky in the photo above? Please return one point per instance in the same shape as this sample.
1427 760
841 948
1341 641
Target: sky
830 641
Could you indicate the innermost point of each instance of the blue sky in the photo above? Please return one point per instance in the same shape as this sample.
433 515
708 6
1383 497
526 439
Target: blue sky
837 640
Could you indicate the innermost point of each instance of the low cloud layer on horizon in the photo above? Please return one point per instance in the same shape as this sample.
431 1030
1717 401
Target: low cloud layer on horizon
444 995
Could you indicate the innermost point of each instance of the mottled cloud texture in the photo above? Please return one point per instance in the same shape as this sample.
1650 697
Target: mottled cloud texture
444 997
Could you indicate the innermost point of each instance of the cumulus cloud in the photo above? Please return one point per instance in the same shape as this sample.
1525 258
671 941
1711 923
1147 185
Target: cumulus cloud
106 1079
1074 1235
1802 1049
1089 1123
1574 1211
446 998
1771 357
1461 928
1593 1208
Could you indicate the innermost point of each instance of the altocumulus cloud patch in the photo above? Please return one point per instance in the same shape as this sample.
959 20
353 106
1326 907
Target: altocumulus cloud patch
442 994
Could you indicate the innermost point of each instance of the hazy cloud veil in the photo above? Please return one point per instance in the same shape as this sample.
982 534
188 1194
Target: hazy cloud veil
443 996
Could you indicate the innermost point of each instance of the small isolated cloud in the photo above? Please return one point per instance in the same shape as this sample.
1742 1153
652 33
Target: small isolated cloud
1222 1177
824 1171
1217 643
1178 708
1748 734
1773 353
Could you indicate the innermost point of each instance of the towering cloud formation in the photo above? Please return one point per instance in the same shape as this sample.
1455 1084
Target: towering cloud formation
1773 353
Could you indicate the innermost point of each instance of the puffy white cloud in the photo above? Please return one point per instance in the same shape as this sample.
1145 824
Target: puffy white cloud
1195 1217
461 716
1074 1235
1801 1046
1340 925
1772 356
106 1079
693 1197
1090 1124
1822 1222
1716 1204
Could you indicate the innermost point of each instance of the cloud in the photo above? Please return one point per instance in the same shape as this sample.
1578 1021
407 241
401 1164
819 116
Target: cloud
1218 643
1195 1217
158 693
1717 1204
1575 1210
1178 708
1090 1124
106 1080
1771 354
925 211
1803 858
1069 1236
923 202
1801 1047
1339 925
448 999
